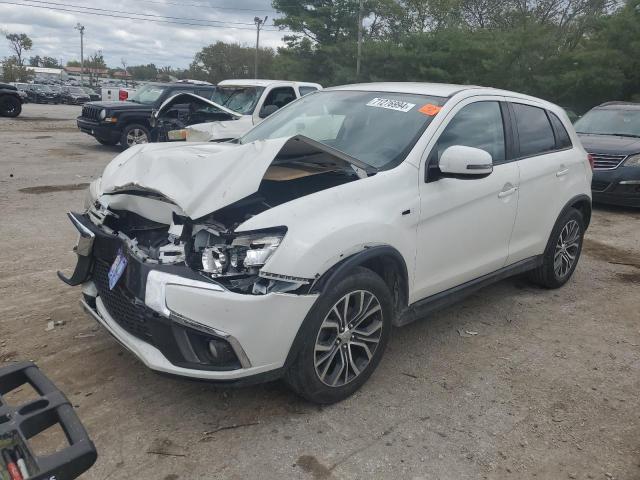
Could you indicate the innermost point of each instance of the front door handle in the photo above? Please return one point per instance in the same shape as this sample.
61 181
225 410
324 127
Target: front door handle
506 193
562 173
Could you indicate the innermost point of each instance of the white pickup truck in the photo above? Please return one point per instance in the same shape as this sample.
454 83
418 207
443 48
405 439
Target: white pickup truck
234 108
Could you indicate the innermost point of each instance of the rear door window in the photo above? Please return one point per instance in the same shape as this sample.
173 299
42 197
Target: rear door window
535 134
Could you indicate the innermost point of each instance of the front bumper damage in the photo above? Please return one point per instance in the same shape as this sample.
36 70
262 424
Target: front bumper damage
179 322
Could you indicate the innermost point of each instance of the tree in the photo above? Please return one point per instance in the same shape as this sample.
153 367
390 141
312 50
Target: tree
12 71
19 43
46 62
223 60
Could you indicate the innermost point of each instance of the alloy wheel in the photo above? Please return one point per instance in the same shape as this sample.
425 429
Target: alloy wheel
567 249
348 338
136 136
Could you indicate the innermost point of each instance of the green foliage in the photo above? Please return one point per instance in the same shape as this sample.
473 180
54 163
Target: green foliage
46 62
19 43
576 53
12 71
221 61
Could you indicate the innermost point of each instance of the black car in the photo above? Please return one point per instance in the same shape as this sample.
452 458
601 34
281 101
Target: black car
93 96
42 94
22 91
611 134
128 122
74 96
10 101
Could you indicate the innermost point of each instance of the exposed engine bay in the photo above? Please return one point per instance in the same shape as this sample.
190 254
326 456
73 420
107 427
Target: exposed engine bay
209 245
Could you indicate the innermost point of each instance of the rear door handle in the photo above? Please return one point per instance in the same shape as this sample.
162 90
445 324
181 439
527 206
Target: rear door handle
562 173
506 193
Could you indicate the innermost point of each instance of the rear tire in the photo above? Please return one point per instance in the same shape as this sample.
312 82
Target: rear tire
10 106
332 363
563 250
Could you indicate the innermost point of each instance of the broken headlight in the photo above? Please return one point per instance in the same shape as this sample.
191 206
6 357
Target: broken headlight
242 254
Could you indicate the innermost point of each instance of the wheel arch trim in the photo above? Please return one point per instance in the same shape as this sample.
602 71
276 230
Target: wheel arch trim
340 271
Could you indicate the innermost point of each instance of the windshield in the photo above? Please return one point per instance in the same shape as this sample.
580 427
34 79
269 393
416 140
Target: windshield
76 90
606 121
239 99
147 95
377 128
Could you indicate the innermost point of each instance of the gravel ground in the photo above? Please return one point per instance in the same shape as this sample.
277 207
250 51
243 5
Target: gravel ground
548 389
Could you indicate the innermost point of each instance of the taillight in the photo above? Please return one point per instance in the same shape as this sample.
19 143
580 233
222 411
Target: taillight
590 158
123 95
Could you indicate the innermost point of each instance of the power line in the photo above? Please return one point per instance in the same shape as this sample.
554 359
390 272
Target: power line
213 7
4 2
164 17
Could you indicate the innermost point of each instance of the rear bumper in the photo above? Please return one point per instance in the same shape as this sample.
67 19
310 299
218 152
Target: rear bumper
109 133
620 186
167 316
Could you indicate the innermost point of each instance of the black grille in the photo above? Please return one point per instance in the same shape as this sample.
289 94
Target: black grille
598 186
91 112
605 161
134 318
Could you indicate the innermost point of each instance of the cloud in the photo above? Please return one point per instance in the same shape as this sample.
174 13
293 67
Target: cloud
137 41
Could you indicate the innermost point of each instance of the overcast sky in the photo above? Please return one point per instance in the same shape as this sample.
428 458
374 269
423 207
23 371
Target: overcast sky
139 42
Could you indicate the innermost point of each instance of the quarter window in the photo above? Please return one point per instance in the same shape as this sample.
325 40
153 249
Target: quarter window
477 125
562 137
534 130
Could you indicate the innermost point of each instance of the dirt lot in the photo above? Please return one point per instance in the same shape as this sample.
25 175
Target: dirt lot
549 388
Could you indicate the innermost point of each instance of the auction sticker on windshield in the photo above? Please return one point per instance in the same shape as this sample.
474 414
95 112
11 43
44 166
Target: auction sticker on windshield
389 104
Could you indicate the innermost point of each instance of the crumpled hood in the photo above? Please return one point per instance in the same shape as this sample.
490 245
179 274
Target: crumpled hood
198 178
210 131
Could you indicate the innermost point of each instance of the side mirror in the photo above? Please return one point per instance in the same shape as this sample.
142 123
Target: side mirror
267 110
461 160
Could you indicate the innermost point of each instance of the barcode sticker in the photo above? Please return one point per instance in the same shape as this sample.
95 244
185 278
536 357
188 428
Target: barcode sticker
389 104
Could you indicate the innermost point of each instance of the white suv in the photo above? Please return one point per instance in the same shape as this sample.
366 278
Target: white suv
293 251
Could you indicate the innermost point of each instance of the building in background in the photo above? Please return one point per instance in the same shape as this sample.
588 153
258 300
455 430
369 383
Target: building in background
48 74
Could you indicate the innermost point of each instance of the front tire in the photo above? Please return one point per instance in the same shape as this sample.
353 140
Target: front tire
134 134
563 250
344 338
10 106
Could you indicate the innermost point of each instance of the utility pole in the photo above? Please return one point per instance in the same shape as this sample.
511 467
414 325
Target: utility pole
359 54
80 28
259 24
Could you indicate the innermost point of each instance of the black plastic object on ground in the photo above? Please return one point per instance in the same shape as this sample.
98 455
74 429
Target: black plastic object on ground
20 423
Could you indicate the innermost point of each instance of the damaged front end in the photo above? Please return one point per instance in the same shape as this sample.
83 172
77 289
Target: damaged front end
190 292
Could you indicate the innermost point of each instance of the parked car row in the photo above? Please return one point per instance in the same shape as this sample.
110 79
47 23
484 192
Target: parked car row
55 94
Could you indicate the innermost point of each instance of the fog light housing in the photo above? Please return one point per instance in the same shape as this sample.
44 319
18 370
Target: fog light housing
213 352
